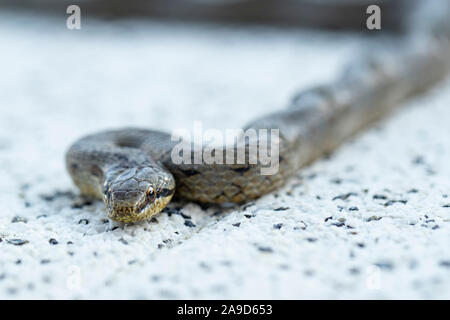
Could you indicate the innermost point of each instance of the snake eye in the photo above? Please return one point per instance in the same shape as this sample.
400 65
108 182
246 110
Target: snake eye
151 194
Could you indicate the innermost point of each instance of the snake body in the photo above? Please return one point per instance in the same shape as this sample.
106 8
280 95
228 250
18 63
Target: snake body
132 169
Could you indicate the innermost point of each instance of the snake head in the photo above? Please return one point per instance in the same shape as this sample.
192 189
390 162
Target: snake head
137 193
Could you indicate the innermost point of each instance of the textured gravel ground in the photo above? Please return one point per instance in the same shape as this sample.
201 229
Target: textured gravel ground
370 221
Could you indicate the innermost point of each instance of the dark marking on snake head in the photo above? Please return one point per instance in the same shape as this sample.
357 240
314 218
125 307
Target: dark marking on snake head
165 192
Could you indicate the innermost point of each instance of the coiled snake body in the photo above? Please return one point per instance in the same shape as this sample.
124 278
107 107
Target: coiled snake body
133 172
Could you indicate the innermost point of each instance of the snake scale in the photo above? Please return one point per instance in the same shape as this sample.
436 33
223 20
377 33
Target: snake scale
132 170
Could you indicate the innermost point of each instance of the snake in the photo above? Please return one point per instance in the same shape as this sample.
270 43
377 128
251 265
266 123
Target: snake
133 171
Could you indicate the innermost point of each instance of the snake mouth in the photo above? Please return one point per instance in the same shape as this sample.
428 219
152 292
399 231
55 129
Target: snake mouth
133 214
151 204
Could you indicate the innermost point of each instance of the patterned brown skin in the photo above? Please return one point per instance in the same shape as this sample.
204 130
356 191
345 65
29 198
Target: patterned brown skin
133 172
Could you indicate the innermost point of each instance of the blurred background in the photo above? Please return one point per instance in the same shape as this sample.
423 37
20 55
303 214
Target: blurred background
332 14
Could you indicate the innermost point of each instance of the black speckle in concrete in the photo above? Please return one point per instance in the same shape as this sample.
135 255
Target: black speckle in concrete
53 241
247 205
83 221
353 209
45 261
41 216
345 196
123 241
185 216
12 291
338 224
311 176
418 160
384 265
281 209
46 279
278 226
354 271
328 218
413 191
413 264
19 219
445 263
69 242
171 211
154 220
361 245
248 216
391 202
373 218
189 223
17 242
132 262
80 205
311 239
217 213
155 278
336 181
18 261
236 224
57 194
265 249
226 263
204 266
309 273
379 197
446 205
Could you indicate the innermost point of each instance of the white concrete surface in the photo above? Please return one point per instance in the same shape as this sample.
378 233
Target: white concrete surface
57 85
